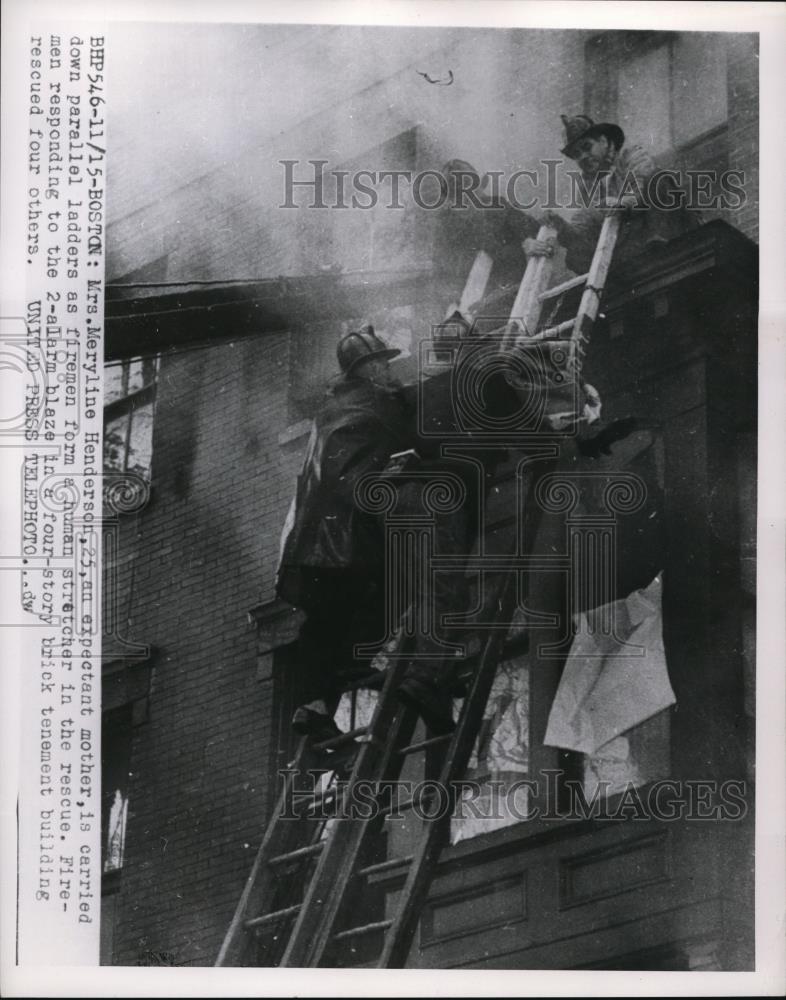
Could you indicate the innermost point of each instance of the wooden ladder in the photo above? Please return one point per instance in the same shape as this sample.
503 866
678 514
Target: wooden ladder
533 293
307 872
296 838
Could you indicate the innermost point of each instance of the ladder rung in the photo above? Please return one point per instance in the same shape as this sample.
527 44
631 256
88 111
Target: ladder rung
332 794
301 852
434 741
383 866
337 741
271 918
552 293
380 925
552 333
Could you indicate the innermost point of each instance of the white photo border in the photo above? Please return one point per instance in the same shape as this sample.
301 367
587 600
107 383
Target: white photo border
770 21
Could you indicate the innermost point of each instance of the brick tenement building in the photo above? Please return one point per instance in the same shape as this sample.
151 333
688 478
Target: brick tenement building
196 729
196 559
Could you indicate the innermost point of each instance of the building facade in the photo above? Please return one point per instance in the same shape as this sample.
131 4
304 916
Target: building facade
223 311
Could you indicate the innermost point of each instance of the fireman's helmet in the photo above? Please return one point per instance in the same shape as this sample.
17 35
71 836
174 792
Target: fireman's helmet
360 345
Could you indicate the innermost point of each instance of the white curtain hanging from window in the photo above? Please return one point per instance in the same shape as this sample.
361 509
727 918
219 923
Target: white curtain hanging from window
615 677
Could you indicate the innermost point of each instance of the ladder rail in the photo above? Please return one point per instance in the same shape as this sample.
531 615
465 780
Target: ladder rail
383 751
235 939
314 927
262 880
527 306
596 277
399 938
476 282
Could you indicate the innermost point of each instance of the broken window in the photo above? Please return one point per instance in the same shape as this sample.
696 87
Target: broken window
495 793
115 764
129 401
116 832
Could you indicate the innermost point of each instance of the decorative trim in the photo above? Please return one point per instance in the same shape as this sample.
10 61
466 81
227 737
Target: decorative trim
475 923
654 867
712 245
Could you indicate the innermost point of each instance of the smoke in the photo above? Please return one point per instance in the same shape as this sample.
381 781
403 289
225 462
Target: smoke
201 116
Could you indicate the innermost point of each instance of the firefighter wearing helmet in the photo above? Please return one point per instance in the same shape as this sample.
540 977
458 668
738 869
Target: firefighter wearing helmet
332 553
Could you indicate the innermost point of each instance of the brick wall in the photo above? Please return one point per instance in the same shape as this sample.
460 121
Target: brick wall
204 552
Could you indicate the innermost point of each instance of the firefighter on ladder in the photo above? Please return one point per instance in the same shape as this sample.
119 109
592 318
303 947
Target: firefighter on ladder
618 176
332 559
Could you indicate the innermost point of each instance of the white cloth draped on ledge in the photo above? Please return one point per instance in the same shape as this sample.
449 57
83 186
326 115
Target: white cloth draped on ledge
615 676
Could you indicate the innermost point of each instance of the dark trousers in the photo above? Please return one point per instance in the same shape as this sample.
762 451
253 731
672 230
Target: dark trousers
345 610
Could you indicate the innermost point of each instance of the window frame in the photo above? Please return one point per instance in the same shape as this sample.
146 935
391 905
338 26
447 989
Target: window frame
126 405
604 56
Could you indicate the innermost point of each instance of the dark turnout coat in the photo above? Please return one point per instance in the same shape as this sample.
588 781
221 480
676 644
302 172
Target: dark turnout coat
357 430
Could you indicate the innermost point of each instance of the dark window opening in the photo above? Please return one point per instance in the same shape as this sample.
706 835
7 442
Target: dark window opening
115 764
129 403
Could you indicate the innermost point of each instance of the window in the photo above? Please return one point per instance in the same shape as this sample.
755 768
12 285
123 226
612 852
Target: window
667 91
376 238
698 85
643 108
380 238
128 415
635 758
115 764
125 691
362 231
498 796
